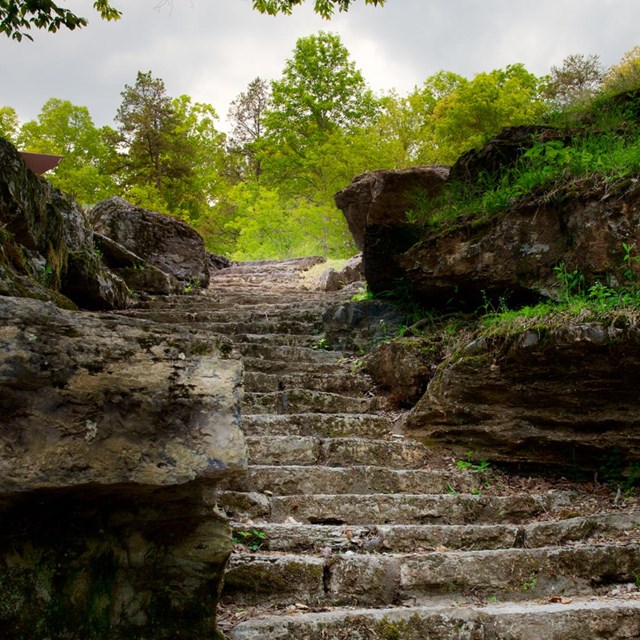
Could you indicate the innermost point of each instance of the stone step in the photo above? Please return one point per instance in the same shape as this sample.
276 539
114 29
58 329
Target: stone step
288 354
334 382
262 327
211 310
383 579
379 509
335 452
282 366
306 401
575 619
393 538
300 480
278 339
335 425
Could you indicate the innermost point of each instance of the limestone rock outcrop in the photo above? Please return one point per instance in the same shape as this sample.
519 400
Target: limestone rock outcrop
512 256
561 398
167 243
332 280
402 368
375 205
46 246
113 434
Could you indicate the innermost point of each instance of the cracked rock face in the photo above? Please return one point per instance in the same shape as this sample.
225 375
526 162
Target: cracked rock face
563 398
113 434
166 243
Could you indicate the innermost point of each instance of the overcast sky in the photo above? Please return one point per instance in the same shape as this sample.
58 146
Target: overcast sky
211 49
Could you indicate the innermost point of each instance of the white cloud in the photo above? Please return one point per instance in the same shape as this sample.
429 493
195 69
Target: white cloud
211 49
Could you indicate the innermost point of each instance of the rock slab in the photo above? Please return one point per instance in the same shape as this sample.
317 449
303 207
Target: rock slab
166 243
113 434
561 398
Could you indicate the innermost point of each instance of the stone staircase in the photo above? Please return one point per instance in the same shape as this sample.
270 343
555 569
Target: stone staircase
347 529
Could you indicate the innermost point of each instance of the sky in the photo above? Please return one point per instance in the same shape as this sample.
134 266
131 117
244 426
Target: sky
211 49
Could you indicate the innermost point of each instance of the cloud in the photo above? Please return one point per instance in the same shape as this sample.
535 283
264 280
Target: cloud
211 49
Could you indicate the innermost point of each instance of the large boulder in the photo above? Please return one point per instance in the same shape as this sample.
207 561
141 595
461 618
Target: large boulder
167 243
514 256
113 435
562 397
46 246
375 206
517 255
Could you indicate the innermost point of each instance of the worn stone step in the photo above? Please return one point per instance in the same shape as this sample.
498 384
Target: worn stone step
278 339
306 401
292 480
335 425
383 579
335 452
263 327
288 354
393 538
517 573
279 366
578 619
378 509
212 304
334 382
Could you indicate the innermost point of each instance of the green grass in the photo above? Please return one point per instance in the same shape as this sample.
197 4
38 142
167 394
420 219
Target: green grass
600 151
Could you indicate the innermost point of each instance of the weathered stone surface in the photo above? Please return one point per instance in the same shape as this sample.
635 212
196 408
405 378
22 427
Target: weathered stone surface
573 620
375 205
167 243
357 325
382 198
140 275
515 256
501 151
107 400
111 563
332 280
46 246
563 398
403 367
512 256
113 432
217 262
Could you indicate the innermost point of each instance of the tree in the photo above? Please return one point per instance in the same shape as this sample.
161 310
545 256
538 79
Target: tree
578 79
9 123
65 129
191 194
320 90
150 151
477 109
626 74
325 8
246 115
17 17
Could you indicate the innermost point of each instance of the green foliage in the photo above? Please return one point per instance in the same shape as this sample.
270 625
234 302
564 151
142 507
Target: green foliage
17 17
320 90
575 82
626 74
325 8
477 109
9 124
253 539
65 129
468 464
546 168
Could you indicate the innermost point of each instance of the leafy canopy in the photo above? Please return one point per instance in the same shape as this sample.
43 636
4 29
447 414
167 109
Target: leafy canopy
325 8
17 17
